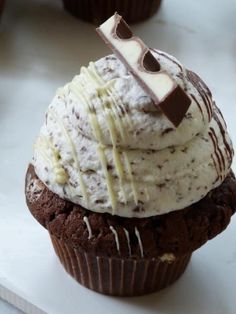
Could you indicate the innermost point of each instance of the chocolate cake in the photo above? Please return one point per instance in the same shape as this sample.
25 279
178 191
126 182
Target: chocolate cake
178 232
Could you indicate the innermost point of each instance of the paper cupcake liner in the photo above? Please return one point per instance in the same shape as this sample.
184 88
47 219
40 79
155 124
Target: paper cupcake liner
117 276
97 11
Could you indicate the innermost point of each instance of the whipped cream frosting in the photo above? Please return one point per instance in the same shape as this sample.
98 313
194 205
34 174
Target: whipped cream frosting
105 145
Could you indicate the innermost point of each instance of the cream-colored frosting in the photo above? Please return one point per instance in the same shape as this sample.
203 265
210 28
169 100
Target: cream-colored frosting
106 146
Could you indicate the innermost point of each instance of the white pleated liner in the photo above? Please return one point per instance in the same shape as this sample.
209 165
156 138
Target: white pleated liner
117 276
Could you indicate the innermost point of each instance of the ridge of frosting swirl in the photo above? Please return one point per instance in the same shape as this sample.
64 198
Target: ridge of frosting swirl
105 146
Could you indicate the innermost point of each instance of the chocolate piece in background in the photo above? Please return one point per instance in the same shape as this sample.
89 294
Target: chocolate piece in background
158 84
98 11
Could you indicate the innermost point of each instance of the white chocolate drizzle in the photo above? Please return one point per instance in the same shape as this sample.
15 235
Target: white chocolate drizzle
44 145
90 234
139 240
128 240
105 90
111 103
77 86
77 89
116 238
74 153
112 93
102 157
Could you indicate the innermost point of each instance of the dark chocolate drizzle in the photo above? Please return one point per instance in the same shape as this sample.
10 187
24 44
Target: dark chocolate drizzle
228 149
218 152
218 177
217 156
169 58
199 106
202 90
208 105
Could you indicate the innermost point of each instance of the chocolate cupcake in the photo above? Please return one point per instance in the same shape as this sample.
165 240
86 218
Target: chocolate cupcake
97 11
127 190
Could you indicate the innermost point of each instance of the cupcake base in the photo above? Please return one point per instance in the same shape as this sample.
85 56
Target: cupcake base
97 11
139 265
119 276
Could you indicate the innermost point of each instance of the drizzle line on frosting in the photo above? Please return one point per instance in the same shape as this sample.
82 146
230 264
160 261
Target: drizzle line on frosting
207 103
102 157
93 77
219 150
222 130
139 240
112 93
96 81
44 144
205 97
128 240
78 90
169 58
90 234
216 168
73 150
116 238
105 90
117 162
199 106
218 153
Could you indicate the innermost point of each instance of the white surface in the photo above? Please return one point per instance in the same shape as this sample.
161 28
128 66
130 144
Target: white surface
6 308
41 48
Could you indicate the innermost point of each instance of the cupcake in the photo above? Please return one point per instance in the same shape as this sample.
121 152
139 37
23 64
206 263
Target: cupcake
126 194
97 11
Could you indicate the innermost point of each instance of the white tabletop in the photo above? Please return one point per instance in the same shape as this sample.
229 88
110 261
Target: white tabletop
6 308
41 48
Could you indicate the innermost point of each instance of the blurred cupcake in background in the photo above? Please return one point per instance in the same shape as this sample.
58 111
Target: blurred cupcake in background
1 6
97 11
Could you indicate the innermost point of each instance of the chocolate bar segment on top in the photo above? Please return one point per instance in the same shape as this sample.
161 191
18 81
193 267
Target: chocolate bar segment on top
157 83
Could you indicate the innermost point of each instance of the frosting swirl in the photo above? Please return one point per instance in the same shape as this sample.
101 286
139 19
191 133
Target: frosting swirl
105 146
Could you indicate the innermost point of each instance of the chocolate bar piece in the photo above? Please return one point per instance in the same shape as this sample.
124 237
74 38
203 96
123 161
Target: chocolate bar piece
157 83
